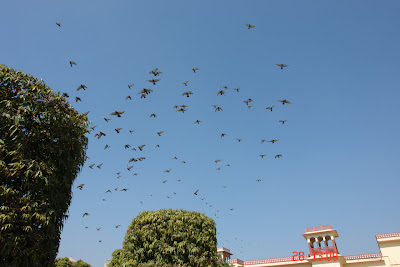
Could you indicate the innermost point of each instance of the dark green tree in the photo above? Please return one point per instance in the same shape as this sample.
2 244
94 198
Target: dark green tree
65 262
169 238
42 149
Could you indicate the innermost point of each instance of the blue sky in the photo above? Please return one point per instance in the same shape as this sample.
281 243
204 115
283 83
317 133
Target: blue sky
339 144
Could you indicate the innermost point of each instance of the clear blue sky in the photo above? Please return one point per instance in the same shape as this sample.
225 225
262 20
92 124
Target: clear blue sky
340 143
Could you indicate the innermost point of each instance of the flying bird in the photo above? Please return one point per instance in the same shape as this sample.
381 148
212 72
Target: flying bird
284 101
221 92
98 229
128 97
129 168
159 133
278 156
272 141
58 24
72 63
106 119
131 131
118 130
125 189
224 87
85 214
154 81
185 83
130 85
194 69
258 180
99 135
249 26
198 122
117 226
196 192
218 109
223 134
141 147
155 72
270 108
99 166
80 186
237 89
282 65
217 160
117 113
168 170
127 146
282 121
145 92
91 166
182 110
153 115
262 156
107 146
239 140
165 181
78 99
188 93
82 86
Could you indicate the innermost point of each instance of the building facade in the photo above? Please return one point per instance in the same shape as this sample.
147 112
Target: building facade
323 252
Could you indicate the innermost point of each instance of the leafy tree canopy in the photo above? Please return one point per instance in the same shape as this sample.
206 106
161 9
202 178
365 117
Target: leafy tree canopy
65 262
42 148
169 238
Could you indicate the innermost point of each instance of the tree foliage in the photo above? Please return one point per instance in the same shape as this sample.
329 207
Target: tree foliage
169 238
42 148
65 262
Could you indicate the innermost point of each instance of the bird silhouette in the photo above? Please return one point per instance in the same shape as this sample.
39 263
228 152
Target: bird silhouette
237 89
58 24
262 156
194 69
196 192
185 83
85 214
80 186
98 229
248 101
188 93
278 156
107 146
271 107
128 97
157 146
65 95
155 72
129 168
117 113
118 130
258 180
272 141
183 161
182 110
124 189
282 121
159 133
78 99
127 146
86 113
82 86
154 81
141 147
282 65
239 140
99 135
168 170
130 85
153 115
284 101
106 119
99 166
145 91
217 160
131 131
72 63
221 92
223 134
224 87
91 166
218 109
198 122
117 226
249 26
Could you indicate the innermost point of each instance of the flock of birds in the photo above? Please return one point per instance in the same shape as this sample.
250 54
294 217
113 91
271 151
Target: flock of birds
144 93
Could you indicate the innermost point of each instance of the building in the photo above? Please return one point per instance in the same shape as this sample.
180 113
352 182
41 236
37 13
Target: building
323 252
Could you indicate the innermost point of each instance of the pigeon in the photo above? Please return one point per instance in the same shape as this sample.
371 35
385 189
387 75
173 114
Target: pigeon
125 189
78 99
221 92
271 107
188 93
72 63
198 122
223 134
131 131
282 121
262 156
118 130
218 109
159 133
278 156
117 113
128 97
129 168
85 214
145 92
194 69
217 160
108 191
107 146
141 147
284 101
58 24
106 119
127 146
239 140
130 85
237 89
91 166
182 110
154 81
99 166
196 192
98 229
153 115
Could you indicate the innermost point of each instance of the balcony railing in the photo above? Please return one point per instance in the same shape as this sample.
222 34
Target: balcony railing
324 249
318 228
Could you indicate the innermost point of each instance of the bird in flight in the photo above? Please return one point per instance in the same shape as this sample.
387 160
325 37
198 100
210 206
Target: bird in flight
99 166
157 146
282 121
237 89
248 101
185 83
188 93
221 92
127 146
182 110
155 72
98 229
106 119
118 130
107 146
223 134
218 109
249 26
272 141
282 65
80 186
227 165
153 115
117 113
224 87
78 99
194 69
85 214
141 147
159 133
82 86
154 81
168 170
72 63
278 156
217 160
284 101
165 181
131 131
91 166
145 91
129 168
258 180
117 226
128 97
99 135
239 140
130 85
196 192
58 24
125 189
215 106
262 156
271 107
